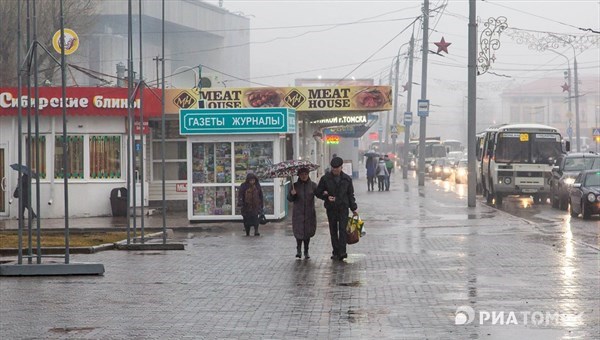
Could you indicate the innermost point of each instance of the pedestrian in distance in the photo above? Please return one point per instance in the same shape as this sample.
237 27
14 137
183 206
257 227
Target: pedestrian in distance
382 174
390 168
337 190
25 184
371 165
250 199
304 215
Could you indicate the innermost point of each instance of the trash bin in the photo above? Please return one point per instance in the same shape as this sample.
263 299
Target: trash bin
118 201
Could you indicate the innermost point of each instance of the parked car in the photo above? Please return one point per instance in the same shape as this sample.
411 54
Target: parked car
461 171
566 168
584 196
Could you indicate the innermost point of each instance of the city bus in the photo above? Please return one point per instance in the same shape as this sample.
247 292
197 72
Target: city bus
433 149
517 159
453 145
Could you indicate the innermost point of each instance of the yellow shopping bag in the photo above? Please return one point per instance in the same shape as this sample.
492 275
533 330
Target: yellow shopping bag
354 229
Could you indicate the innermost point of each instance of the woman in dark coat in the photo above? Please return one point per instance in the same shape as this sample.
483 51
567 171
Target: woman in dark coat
304 216
371 165
251 202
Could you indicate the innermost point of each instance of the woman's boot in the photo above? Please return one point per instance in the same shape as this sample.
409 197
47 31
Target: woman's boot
247 228
298 252
306 256
256 233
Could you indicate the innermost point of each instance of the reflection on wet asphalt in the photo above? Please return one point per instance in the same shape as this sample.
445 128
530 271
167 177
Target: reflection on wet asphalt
425 257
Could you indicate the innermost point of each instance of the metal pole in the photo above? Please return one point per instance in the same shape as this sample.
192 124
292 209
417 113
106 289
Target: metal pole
163 129
408 102
28 140
395 120
64 141
37 138
577 135
471 106
129 115
19 137
423 120
141 175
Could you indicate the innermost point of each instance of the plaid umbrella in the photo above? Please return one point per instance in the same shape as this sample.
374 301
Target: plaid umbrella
287 168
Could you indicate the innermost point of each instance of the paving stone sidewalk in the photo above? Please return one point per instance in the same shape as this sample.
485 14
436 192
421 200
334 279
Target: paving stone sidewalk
425 255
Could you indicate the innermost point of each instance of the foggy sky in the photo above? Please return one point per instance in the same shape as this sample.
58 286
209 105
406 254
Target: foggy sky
336 36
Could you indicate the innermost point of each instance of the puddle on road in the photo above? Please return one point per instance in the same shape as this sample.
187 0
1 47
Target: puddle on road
71 330
351 284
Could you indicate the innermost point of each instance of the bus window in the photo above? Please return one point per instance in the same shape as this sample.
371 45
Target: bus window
510 149
545 147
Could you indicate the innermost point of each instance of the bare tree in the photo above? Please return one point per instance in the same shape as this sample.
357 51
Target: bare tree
78 15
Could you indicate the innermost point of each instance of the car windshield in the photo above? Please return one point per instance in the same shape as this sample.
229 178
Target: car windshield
463 164
580 163
592 180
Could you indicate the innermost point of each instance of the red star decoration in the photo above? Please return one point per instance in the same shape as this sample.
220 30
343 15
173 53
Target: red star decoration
405 87
442 45
565 87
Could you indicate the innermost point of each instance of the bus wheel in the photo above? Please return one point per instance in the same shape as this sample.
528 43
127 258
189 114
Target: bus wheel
563 204
489 198
498 198
555 202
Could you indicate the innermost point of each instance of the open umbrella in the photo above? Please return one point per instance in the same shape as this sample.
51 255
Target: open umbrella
371 153
24 169
288 168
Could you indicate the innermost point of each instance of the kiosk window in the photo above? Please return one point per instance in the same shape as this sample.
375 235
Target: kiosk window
105 157
251 157
212 200
75 150
211 162
40 168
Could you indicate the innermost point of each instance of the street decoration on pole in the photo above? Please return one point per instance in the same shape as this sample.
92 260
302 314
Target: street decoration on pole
442 46
544 41
489 42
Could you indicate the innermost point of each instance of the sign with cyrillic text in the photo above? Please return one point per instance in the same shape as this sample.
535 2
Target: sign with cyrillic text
237 121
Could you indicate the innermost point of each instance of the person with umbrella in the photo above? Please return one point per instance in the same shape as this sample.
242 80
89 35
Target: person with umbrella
304 215
25 186
337 190
251 202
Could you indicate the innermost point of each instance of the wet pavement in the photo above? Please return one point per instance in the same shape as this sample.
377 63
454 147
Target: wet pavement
428 268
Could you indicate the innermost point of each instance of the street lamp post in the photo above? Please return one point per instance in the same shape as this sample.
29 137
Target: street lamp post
568 78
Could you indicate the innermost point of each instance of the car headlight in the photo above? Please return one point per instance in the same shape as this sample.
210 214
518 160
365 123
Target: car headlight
507 180
569 180
446 170
438 169
591 197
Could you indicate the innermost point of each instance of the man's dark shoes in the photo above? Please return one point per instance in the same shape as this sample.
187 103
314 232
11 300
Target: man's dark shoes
306 256
343 256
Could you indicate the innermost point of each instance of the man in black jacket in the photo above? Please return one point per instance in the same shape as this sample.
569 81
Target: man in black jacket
336 189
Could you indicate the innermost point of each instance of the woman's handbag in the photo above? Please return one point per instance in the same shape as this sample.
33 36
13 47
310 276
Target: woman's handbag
354 229
262 219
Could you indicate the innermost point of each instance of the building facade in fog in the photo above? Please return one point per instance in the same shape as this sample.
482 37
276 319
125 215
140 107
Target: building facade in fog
545 101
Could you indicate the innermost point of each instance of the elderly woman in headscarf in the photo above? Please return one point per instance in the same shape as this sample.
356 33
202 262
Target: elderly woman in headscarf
251 201
304 216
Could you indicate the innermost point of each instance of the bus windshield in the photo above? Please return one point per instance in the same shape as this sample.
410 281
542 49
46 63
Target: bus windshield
527 147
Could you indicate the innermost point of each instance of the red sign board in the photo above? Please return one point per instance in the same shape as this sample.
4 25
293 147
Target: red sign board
80 101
